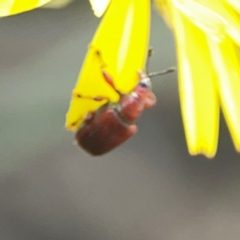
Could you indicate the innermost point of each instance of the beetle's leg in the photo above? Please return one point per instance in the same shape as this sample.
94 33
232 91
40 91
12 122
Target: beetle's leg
142 74
109 80
106 75
100 58
98 98
150 52
87 119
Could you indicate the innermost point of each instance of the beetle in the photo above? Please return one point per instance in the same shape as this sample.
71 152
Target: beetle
110 93
114 123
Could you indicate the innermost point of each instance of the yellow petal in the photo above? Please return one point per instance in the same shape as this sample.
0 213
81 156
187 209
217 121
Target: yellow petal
198 96
125 51
11 7
235 4
227 62
214 17
99 6
122 40
219 21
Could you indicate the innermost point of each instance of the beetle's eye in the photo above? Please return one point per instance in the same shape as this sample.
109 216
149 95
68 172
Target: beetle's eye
145 83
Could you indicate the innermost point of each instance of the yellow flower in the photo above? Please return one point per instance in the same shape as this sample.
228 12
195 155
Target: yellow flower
207 35
119 54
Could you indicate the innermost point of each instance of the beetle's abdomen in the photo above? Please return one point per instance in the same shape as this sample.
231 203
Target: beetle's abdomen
105 132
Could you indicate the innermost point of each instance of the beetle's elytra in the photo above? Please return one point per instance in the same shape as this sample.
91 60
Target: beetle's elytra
104 131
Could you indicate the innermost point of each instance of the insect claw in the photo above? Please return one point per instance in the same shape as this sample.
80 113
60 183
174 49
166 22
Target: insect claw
150 52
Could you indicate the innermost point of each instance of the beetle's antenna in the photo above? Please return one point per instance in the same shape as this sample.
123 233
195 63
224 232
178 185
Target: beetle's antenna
150 52
169 70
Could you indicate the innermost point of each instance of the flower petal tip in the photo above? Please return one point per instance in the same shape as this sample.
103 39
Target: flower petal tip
209 156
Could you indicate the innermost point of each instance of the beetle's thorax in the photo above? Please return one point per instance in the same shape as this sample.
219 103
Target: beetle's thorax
131 105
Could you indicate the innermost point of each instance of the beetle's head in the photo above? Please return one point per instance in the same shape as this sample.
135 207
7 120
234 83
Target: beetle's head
145 83
143 91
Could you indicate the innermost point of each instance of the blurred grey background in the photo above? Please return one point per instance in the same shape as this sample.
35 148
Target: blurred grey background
149 188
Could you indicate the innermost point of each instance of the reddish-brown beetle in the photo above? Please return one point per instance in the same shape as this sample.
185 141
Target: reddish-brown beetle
113 124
